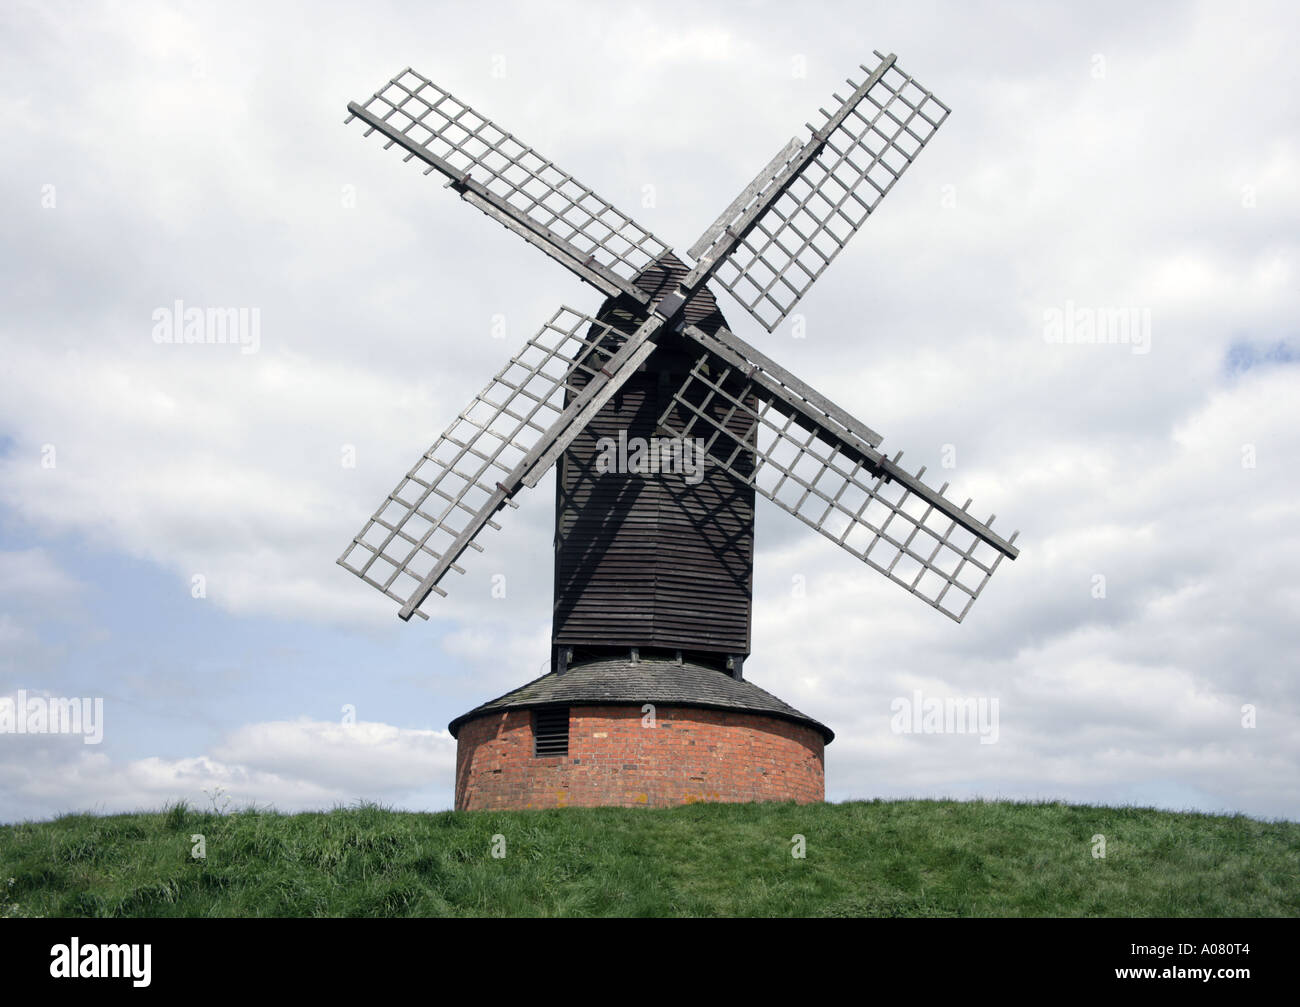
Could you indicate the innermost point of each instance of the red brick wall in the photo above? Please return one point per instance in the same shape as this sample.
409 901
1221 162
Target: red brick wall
691 755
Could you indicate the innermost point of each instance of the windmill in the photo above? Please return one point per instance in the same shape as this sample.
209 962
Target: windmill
646 701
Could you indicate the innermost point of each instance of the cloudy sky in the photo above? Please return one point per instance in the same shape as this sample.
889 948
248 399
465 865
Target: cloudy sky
1142 158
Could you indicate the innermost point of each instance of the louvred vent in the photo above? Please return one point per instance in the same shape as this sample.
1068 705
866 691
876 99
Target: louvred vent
551 731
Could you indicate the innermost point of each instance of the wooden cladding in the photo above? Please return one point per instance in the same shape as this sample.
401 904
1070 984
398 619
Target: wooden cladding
662 559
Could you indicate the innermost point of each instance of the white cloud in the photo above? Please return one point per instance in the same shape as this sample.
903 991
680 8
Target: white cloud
344 757
289 765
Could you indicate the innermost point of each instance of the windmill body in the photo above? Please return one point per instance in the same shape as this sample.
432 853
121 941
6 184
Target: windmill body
654 548
665 425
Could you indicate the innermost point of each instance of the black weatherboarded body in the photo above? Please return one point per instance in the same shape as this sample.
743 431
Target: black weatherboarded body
654 560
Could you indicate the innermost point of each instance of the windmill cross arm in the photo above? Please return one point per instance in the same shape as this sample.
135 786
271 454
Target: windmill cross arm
781 382
599 390
476 194
893 472
599 276
800 220
855 438
459 485
603 382
769 172
809 461
942 504
726 239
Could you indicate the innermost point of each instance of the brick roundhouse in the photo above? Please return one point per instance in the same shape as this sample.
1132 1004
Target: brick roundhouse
624 732
646 703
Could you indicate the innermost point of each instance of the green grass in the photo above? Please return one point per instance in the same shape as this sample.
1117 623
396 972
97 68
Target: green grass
878 858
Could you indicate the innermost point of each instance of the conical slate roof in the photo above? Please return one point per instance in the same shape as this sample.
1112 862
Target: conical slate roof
649 680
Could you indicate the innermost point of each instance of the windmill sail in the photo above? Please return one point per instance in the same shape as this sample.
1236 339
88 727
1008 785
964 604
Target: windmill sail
812 464
826 191
451 493
509 180
767 248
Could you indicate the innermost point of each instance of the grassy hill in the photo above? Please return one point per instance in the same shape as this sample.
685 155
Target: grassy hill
896 858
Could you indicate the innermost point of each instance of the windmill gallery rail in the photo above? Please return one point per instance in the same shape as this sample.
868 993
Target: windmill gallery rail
658 357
